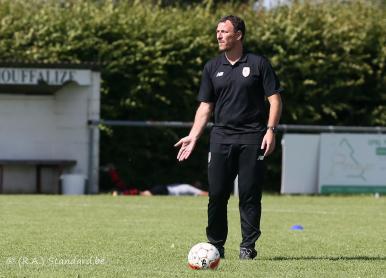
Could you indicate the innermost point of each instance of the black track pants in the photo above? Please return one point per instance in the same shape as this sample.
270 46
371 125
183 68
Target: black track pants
226 161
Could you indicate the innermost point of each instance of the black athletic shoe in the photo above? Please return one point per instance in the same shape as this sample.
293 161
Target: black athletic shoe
221 250
247 253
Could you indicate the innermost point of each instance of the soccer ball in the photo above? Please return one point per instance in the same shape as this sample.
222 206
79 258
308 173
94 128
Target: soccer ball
203 256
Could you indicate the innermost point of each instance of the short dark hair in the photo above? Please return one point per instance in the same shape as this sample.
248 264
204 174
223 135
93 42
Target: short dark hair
237 22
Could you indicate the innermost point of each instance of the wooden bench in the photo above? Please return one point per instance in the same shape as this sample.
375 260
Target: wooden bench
58 164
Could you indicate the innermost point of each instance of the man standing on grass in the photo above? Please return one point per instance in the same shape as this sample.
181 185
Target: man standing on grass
234 86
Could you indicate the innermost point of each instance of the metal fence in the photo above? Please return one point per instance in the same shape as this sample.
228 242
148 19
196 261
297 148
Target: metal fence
282 128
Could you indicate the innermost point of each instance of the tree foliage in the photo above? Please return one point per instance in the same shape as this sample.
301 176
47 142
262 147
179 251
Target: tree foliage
330 58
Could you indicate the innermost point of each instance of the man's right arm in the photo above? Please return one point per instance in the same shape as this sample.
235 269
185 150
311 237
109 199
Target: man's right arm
203 114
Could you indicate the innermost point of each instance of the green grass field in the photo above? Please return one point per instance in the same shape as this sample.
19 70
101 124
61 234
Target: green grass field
106 236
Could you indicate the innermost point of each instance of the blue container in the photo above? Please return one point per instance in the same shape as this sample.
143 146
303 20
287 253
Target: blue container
297 227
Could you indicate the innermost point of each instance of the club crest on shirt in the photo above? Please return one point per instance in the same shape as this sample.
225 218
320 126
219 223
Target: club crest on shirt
246 71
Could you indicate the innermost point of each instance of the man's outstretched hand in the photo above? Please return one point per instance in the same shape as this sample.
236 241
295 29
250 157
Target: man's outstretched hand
187 146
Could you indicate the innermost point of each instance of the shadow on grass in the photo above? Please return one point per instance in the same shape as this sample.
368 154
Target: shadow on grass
329 258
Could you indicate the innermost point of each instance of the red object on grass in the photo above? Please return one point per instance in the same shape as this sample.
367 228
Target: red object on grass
120 184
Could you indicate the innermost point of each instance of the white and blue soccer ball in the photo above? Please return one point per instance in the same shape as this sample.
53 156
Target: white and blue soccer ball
203 256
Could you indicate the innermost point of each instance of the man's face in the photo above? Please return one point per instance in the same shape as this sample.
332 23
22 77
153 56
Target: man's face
226 36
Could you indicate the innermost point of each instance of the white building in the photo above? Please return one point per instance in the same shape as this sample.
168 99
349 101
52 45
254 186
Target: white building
44 131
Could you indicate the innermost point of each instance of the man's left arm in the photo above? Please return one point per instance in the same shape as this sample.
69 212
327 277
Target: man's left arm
275 107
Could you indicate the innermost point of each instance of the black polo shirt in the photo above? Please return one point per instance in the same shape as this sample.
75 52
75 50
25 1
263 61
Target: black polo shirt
238 92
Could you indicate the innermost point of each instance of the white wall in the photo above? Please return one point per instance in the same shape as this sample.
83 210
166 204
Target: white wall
333 163
300 164
48 127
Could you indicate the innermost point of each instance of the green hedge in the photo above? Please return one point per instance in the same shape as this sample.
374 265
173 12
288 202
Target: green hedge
330 58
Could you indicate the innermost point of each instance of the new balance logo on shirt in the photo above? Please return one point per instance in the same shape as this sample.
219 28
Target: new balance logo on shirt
220 73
